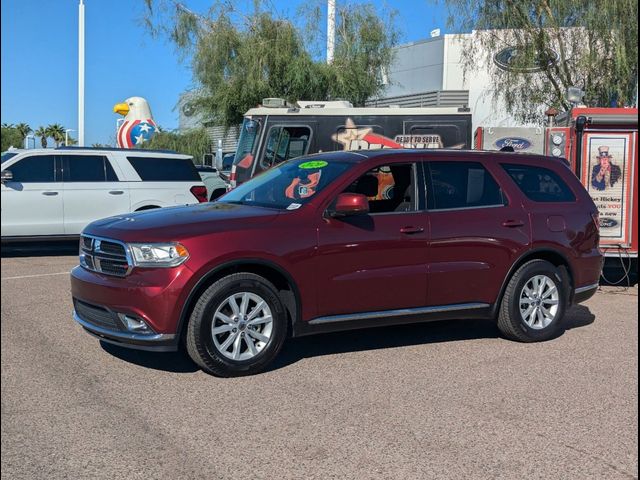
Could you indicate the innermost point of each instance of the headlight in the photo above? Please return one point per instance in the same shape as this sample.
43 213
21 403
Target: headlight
158 254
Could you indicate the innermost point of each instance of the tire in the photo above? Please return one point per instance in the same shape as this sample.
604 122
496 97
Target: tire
214 312
515 319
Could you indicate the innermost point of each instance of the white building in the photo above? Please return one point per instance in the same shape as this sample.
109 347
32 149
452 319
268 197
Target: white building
430 73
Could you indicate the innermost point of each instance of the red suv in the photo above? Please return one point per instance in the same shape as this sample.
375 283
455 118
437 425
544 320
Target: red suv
339 241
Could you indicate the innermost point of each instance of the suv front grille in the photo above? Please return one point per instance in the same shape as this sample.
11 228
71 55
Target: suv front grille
105 256
97 316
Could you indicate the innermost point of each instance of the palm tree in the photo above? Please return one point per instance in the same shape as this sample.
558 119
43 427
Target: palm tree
56 131
8 125
24 129
43 133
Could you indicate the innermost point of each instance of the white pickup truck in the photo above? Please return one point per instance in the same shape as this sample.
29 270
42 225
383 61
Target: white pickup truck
55 193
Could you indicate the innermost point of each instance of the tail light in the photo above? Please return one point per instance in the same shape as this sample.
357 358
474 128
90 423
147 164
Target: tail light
200 192
233 177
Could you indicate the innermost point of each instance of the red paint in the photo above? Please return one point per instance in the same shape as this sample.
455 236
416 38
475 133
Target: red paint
365 263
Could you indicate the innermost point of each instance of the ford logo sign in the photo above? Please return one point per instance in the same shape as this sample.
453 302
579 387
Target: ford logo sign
608 223
518 60
518 144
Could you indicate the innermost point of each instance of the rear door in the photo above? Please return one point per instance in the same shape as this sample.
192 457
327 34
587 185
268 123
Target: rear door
32 201
92 190
477 232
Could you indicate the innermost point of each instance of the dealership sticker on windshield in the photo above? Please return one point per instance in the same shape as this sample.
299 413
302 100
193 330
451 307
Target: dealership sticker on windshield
313 165
294 206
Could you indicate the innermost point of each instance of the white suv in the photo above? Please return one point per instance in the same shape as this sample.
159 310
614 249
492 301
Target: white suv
57 192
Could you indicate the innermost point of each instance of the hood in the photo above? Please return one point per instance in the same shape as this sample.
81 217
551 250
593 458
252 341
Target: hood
181 223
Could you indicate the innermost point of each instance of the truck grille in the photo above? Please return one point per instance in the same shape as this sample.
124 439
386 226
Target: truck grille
105 256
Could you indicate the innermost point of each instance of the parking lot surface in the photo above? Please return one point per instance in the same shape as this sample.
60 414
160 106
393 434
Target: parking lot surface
439 400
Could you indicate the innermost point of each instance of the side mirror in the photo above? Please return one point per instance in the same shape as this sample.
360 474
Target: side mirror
7 176
350 204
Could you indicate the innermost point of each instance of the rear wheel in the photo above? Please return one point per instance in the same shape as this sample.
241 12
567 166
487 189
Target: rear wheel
534 303
237 327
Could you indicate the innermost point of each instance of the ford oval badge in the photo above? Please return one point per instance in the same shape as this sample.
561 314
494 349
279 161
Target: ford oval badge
518 144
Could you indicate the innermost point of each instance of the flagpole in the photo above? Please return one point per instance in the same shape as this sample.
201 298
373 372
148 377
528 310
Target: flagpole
81 74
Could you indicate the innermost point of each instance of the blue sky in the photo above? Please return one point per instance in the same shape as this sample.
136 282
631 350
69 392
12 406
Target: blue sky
39 59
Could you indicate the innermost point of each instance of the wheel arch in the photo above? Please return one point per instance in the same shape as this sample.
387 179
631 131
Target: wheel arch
551 255
278 276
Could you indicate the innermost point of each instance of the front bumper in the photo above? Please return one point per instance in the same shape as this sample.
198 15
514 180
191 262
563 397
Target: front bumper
153 296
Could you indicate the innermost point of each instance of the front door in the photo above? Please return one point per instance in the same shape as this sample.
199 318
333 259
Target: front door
375 262
32 201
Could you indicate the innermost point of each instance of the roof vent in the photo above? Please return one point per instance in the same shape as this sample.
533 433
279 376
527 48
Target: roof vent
328 104
274 102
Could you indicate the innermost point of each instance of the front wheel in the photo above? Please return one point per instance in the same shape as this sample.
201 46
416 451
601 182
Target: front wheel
237 327
534 303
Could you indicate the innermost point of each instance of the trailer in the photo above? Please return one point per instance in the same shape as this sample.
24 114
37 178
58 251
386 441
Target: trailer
275 131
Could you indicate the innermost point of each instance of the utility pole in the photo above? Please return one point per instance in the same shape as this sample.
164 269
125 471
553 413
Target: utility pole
331 29
81 74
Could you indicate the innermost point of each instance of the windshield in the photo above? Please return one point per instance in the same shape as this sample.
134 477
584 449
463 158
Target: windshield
289 185
7 155
246 143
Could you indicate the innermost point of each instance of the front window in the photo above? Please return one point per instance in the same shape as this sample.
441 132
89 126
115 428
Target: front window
245 152
289 185
284 143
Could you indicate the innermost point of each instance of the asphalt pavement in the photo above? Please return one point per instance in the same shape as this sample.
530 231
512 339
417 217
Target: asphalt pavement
439 400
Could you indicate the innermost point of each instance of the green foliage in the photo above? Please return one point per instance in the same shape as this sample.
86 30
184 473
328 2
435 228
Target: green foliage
24 129
596 43
10 137
192 142
239 60
56 132
42 134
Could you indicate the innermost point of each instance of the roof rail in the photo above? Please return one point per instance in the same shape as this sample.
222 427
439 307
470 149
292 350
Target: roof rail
114 149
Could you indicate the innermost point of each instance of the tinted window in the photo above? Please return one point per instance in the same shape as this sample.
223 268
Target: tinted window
461 185
35 169
165 169
88 168
540 184
389 188
7 155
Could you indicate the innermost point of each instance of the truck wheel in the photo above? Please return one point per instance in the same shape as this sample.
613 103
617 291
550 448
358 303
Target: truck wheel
534 303
237 327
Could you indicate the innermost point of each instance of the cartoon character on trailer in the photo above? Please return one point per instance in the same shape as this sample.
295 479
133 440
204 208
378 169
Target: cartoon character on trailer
605 173
138 126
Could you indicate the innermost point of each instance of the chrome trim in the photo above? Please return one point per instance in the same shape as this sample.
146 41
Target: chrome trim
124 336
95 248
586 288
397 313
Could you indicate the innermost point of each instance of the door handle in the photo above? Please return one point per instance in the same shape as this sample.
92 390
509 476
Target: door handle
116 192
513 223
50 194
411 230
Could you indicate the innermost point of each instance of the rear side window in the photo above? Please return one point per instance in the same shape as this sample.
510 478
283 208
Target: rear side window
87 168
34 169
540 184
461 185
158 169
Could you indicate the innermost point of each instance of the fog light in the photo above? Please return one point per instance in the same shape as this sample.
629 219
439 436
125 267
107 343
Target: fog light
134 324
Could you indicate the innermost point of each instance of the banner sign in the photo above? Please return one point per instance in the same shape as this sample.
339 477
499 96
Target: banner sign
607 174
